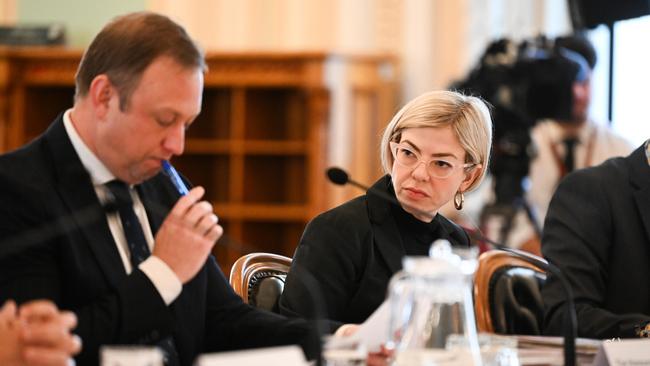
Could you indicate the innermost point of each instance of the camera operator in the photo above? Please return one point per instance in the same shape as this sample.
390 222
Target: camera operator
566 145
548 91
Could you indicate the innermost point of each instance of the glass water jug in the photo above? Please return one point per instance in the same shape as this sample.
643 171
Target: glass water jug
431 299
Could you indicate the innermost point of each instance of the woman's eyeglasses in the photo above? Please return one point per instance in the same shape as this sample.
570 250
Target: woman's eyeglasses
438 168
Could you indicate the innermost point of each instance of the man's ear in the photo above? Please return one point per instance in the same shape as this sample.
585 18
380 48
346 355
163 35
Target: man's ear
470 177
100 93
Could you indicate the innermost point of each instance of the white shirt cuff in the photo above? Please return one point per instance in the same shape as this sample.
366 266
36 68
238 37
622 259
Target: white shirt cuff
163 278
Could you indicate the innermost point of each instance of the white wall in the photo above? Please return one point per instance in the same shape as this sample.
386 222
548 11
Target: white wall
7 11
438 41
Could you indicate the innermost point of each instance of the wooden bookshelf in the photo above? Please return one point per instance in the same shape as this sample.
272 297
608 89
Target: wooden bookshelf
262 141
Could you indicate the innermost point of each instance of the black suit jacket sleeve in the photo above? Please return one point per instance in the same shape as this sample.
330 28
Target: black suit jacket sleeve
594 235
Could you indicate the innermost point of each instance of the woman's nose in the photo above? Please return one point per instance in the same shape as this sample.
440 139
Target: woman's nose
420 171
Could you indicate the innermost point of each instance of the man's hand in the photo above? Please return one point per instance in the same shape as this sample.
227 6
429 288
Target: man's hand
187 235
38 334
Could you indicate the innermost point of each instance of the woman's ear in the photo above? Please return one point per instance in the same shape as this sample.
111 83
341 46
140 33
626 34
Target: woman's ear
471 176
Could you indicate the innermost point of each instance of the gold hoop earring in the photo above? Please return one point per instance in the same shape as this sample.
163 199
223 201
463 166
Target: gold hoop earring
459 199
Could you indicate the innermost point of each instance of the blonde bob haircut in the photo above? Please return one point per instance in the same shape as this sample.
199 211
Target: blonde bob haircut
469 118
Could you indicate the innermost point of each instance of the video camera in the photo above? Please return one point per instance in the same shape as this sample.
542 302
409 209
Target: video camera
524 83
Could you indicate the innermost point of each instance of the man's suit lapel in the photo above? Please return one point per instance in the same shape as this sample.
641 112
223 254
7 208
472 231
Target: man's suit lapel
640 181
387 237
75 189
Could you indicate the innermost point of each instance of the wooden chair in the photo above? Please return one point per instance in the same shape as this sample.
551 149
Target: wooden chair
259 278
507 296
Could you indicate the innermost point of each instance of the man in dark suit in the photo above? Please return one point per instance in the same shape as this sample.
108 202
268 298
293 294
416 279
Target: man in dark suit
598 233
88 221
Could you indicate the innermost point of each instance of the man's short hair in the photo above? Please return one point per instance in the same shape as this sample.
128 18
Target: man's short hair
127 45
580 44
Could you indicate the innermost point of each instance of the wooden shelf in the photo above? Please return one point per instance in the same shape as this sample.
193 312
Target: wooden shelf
209 146
271 213
275 148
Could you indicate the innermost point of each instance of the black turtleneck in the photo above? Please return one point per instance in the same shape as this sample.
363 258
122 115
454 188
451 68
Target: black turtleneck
417 236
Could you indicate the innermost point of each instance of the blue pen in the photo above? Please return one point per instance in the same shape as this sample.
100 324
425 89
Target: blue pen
174 177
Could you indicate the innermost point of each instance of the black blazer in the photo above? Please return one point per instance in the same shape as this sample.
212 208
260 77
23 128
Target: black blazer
597 232
55 243
346 257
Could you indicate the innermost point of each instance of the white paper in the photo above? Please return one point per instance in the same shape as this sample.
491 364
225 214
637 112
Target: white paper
285 356
131 355
625 352
374 331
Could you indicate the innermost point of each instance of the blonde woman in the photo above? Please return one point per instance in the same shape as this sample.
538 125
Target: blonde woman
435 149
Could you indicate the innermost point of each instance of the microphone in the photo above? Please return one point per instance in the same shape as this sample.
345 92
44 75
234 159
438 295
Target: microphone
340 177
